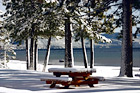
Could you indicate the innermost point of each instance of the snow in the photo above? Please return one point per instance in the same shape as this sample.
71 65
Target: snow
71 70
50 1
58 78
16 79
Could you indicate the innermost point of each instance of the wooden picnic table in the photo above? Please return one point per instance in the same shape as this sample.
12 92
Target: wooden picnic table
76 76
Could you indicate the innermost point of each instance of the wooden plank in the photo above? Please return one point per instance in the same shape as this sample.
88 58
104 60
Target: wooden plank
67 83
98 77
89 78
84 74
72 74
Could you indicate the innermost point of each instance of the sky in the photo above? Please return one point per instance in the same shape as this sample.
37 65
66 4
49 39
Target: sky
2 9
1 6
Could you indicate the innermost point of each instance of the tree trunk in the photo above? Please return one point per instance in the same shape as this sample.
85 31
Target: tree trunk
41 1
5 57
127 60
32 49
35 55
46 61
32 54
91 53
27 54
84 52
68 44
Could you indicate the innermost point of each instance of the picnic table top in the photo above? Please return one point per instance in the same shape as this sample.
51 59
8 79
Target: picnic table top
72 70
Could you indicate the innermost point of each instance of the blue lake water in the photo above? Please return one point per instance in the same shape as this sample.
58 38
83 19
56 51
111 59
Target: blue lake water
103 56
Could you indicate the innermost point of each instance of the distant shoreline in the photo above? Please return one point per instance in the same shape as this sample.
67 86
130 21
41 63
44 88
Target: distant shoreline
80 48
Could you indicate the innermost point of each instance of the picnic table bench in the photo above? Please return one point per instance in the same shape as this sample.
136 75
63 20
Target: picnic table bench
137 75
76 76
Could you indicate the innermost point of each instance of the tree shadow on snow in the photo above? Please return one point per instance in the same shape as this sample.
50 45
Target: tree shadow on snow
20 79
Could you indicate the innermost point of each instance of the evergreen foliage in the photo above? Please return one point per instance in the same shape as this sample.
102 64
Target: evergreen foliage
7 52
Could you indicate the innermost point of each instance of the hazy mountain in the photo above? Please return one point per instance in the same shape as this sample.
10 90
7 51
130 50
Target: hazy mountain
115 42
60 43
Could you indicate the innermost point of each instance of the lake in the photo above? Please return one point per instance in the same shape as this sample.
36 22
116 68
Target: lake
103 56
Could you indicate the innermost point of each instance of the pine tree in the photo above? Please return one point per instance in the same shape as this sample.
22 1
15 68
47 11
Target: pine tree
28 21
91 22
127 59
6 45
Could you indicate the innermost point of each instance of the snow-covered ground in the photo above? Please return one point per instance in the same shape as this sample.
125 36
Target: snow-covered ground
16 79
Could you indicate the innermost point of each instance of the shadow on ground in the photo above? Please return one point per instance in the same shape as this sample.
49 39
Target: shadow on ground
27 80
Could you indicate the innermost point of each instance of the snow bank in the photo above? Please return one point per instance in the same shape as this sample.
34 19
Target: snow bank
17 79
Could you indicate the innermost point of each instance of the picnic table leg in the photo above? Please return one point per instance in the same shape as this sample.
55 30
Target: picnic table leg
53 85
67 86
90 85
57 74
87 79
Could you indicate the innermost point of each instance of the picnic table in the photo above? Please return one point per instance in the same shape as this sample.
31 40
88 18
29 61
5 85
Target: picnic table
76 76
